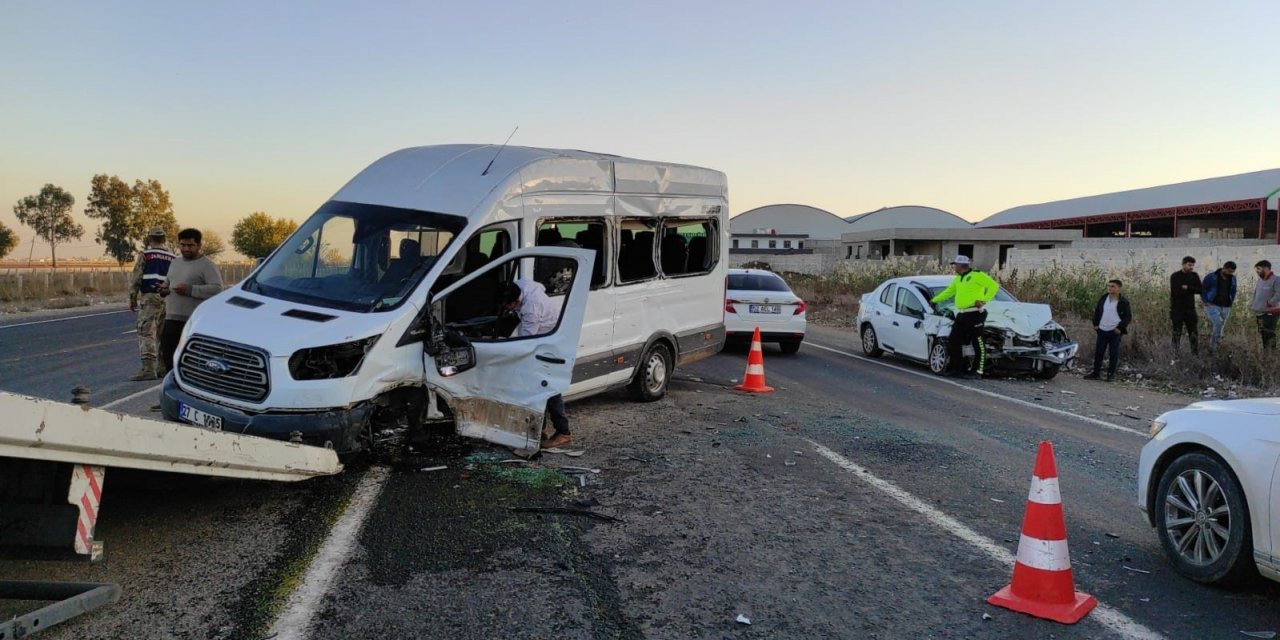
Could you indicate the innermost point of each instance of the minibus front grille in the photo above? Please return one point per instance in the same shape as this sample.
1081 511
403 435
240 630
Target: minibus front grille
225 368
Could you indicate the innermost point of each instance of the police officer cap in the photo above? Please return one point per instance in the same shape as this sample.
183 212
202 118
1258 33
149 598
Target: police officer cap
156 232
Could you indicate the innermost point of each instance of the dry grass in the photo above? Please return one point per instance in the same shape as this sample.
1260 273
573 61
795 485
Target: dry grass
1146 352
33 289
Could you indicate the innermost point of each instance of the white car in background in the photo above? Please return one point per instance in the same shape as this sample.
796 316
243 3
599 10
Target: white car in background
758 298
898 318
1208 482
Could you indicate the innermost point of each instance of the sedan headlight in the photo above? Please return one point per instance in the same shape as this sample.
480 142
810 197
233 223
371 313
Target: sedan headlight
330 361
1156 426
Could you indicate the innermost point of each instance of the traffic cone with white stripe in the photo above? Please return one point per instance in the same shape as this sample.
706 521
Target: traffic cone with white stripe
1042 583
753 380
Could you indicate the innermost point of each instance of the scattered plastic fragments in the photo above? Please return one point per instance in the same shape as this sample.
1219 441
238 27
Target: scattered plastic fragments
789 463
439 468
997 500
1128 568
743 619
986 616
1259 634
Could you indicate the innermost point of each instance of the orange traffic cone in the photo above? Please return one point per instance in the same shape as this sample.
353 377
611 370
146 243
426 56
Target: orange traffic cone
1042 584
753 380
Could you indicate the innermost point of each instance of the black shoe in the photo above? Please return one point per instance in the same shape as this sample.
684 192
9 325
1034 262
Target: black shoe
1092 376
1111 377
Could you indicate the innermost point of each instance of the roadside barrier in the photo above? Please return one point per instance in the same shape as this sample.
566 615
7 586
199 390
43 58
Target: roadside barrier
753 379
1042 583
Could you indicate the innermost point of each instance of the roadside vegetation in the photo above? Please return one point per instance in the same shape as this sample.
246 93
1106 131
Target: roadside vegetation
1146 353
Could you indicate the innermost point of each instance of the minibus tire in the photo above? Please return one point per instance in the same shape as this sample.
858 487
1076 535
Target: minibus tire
653 373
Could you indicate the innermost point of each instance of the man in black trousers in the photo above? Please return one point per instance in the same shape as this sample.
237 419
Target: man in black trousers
1184 286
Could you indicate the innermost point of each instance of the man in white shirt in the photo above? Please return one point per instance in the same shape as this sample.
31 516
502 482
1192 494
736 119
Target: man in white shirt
1111 318
539 315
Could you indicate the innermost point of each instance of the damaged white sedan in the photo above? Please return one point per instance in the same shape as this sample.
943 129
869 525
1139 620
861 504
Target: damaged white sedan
1020 337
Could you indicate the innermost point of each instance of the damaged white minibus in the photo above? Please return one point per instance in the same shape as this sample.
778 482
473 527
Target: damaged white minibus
393 289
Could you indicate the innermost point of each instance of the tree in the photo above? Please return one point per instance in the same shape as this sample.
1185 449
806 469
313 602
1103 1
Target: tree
258 234
127 213
111 200
212 244
49 215
8 240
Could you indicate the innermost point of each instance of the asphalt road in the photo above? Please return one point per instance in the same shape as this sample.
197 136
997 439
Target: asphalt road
860 499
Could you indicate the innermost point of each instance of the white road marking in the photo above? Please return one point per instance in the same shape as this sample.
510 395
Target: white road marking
1104 614
298 617
127 398
92 315
931 376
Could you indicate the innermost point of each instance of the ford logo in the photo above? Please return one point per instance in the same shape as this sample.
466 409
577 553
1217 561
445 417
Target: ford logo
217 366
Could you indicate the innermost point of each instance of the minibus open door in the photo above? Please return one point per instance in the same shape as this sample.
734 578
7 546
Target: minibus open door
496 384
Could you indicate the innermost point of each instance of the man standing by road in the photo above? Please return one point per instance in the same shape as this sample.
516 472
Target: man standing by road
1219 292
539 316
1184 285
149 272
192 279
972 290
1111 318
1266 297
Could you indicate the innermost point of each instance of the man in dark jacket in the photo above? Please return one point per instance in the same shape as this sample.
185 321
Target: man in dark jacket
1184 285
1111 318
1219 293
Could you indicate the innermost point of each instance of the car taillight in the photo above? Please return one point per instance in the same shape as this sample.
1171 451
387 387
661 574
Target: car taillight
728 306
800 307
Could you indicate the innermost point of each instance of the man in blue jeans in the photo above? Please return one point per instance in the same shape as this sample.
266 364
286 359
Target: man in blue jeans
1111 318
1219 292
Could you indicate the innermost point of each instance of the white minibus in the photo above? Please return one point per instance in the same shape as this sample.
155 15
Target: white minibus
390 296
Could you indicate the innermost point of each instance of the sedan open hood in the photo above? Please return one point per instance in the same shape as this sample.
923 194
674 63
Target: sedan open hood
1023 318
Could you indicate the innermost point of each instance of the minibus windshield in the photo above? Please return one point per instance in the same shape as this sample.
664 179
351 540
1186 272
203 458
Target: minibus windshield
356 257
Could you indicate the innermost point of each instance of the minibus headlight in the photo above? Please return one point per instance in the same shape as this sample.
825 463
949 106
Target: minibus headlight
1156 427
331 361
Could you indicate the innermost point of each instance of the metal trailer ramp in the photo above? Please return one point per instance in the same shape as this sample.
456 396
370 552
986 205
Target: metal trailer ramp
53 461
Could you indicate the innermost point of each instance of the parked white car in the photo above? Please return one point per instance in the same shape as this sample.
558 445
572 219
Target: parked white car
759 298
898 318
1208 483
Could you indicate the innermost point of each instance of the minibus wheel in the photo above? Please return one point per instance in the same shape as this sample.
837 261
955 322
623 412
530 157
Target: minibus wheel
653 373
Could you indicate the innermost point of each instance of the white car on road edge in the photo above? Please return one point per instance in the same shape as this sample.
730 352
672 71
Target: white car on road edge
1208 482
898 318
759 298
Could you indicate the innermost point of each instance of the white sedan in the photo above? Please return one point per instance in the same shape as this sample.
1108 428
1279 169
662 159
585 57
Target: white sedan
758 298
898 318
1208 481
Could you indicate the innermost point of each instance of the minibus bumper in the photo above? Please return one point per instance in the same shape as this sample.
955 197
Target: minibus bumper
339 428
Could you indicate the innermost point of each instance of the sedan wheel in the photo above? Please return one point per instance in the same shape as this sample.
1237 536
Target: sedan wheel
870 344
938 356
1203 520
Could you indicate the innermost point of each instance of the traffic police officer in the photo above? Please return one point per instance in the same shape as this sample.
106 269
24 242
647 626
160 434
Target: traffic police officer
972 290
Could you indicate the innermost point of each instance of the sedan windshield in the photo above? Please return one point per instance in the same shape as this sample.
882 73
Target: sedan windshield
357 257
756 282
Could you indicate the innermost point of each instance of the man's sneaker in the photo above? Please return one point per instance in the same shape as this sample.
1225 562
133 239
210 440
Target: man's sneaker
1092 376
558 440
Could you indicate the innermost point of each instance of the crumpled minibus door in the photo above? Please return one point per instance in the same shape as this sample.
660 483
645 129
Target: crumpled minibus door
496 383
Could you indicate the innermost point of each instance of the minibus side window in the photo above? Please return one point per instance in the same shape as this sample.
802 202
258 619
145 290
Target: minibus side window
688 246
586 233
636 240
497 320
483 292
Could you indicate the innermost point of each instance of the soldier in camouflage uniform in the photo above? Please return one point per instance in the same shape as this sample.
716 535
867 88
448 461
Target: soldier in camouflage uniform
149 273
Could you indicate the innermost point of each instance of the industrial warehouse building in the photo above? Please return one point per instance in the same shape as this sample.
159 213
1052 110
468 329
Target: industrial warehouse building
1230 210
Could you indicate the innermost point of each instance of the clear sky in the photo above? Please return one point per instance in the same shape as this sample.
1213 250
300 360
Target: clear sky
971 107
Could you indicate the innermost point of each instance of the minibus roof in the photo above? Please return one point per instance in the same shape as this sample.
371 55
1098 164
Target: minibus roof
463 178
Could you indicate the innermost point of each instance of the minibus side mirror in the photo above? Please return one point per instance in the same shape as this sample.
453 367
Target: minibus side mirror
452 351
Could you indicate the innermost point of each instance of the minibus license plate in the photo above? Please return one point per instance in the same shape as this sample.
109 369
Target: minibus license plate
764 308
199 418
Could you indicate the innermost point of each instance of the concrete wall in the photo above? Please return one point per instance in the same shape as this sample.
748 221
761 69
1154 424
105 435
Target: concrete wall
1156 243
814 263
